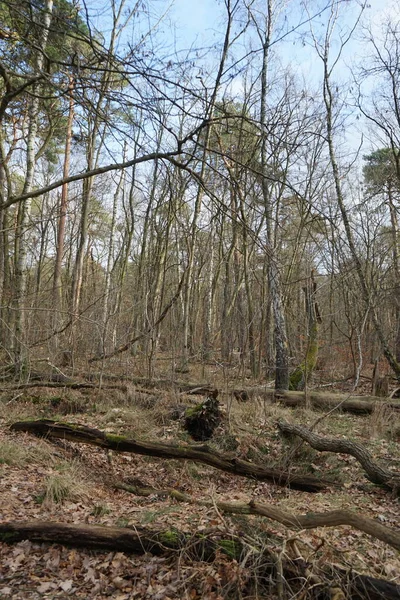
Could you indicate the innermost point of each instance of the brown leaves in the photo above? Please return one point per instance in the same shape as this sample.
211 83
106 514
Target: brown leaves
30 571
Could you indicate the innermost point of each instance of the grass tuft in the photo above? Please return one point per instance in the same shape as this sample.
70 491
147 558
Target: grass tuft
63 485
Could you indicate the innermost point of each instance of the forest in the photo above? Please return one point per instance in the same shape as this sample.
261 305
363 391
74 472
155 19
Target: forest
199 299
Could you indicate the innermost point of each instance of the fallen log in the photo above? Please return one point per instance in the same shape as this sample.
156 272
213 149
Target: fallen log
161 384
203 454
318 400
333 518
375 473
139 540
73 385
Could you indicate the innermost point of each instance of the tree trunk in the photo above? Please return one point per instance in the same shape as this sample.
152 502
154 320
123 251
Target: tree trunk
274 282
110 259
62 219
19 345
204 547
366 292
302 375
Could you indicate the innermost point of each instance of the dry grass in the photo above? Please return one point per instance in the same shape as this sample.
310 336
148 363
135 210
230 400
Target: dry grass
19 454
65 483
384 422
59 484
16 407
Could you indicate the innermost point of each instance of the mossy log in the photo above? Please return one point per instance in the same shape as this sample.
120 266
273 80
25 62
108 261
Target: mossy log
122 539
139 540
375 473
203 454
318 400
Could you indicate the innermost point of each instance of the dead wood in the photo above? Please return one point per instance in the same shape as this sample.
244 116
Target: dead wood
375 473
202 420
139 540
334 518
73 385
318 400
203 454
187 387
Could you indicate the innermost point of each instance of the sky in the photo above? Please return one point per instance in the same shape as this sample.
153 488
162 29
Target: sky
199 21
194 17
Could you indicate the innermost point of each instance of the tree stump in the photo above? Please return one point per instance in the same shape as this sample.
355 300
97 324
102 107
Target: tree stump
202 420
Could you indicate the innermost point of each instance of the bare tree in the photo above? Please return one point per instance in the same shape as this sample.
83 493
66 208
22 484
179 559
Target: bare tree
324 53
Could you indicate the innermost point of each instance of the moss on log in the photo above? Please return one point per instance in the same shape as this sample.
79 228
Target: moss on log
236 466
121 539
200 547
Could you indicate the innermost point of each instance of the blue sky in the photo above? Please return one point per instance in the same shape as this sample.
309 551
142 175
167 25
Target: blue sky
194 17
198 21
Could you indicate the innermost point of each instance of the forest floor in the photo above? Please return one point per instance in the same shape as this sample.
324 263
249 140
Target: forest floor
73 483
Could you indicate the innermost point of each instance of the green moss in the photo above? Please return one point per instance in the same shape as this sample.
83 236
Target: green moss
230 548
8 536
71 425
193 411
296 378
304 371
170 538
115 439
177 495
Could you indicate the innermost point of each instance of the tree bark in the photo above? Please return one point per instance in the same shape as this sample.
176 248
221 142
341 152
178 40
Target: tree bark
329 102
318 400
24 208
302 375
375 473
62 219
333 518
274 277
202 454
139 540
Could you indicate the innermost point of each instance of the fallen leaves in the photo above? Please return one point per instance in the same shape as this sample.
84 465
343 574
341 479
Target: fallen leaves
31 571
